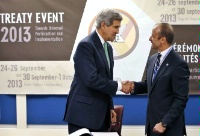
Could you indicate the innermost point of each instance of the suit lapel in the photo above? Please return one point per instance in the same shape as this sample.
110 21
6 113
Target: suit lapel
101 51
110 56
166 63
150 71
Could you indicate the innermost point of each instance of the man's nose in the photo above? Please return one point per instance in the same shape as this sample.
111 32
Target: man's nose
150 38
117 31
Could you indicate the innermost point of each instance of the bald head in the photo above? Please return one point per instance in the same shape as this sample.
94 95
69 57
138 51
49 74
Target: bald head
165 30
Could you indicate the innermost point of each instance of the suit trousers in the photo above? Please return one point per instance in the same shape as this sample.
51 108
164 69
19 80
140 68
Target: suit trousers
72 127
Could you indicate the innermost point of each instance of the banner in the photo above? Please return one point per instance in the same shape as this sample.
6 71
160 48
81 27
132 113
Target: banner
38 40
132 46
187 45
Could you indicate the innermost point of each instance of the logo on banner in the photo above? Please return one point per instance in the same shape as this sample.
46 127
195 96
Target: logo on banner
127 39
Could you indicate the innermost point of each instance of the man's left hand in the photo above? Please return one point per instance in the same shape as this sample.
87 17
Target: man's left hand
159 128
113 116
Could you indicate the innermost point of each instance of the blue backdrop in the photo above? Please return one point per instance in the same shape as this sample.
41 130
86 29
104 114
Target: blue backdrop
49 109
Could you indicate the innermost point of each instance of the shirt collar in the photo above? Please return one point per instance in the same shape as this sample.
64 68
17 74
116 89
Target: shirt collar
164 53
101 39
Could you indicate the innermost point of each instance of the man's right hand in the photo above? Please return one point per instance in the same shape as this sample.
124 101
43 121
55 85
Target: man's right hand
127 86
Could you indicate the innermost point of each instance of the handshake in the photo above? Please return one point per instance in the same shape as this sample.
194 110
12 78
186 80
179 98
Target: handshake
127 87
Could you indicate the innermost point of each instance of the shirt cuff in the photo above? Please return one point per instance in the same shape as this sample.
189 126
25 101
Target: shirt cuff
119 88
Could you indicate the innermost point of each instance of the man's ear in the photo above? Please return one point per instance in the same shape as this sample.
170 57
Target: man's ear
163 39
103 24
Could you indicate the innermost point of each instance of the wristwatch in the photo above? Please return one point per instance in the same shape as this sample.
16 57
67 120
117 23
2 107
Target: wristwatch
163 124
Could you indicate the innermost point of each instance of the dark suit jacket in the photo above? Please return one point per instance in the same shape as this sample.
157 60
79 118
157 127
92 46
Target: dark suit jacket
90 98
167 95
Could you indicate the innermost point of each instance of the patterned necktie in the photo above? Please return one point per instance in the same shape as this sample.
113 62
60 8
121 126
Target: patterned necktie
157 65
105 46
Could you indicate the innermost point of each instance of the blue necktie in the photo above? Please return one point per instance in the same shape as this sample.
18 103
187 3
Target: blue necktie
157 65
105 46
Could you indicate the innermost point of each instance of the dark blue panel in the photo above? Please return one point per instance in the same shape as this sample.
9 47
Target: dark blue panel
8 109
46 109
192 110
134 108
49 109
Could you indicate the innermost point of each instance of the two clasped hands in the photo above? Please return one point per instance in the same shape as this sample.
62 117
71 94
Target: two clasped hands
127 87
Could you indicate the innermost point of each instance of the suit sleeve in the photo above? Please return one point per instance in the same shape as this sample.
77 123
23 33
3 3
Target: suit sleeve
140 88
86 66
180 84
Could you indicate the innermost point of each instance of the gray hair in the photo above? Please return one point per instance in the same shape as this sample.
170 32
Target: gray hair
107 16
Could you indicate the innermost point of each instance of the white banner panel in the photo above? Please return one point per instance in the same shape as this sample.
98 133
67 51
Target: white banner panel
36 77
131 48
38 40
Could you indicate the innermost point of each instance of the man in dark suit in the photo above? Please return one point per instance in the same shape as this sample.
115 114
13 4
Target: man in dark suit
167 85
89 104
